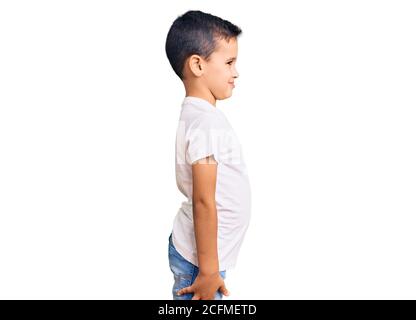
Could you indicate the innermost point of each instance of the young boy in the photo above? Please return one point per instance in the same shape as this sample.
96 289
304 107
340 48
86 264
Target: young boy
209 227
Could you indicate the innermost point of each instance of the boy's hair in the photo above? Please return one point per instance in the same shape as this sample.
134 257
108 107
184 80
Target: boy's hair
196 32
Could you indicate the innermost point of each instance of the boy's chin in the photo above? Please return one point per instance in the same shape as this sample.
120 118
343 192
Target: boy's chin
224 96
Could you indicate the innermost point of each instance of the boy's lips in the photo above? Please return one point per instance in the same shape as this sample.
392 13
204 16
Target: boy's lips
232 83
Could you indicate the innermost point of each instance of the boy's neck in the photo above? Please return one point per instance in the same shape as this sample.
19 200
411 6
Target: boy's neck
206 96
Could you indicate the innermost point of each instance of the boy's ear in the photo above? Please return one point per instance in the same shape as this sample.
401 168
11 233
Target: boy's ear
195 65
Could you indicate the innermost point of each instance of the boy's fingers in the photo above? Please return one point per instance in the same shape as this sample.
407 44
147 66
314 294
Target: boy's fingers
195 297
185 290
224 290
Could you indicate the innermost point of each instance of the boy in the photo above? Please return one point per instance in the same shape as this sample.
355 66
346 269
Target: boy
209 227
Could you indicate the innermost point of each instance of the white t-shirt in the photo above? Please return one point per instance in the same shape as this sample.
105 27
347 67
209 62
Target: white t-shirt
203 130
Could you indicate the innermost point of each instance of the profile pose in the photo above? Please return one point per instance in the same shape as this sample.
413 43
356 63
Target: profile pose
210 226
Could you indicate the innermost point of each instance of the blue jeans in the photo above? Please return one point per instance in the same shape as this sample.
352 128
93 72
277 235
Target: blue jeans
184 273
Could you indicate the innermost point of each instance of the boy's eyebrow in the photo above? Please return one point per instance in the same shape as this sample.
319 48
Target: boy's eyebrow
232 59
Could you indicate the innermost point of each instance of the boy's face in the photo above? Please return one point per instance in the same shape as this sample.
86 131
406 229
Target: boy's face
220 70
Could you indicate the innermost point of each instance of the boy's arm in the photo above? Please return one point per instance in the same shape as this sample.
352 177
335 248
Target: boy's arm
204 177
208 280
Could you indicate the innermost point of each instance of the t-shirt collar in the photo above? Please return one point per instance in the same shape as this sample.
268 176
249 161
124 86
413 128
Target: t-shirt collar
199 102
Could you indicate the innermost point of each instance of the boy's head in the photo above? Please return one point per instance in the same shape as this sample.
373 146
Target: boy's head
202 50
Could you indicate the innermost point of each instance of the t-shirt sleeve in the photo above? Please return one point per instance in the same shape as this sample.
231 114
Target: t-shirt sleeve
203 138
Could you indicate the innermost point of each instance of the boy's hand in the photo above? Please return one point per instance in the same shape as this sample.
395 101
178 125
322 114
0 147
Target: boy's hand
205 287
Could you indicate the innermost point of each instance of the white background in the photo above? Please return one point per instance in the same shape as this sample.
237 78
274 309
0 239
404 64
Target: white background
324 108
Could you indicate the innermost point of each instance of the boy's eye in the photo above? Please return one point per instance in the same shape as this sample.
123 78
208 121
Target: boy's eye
229 62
